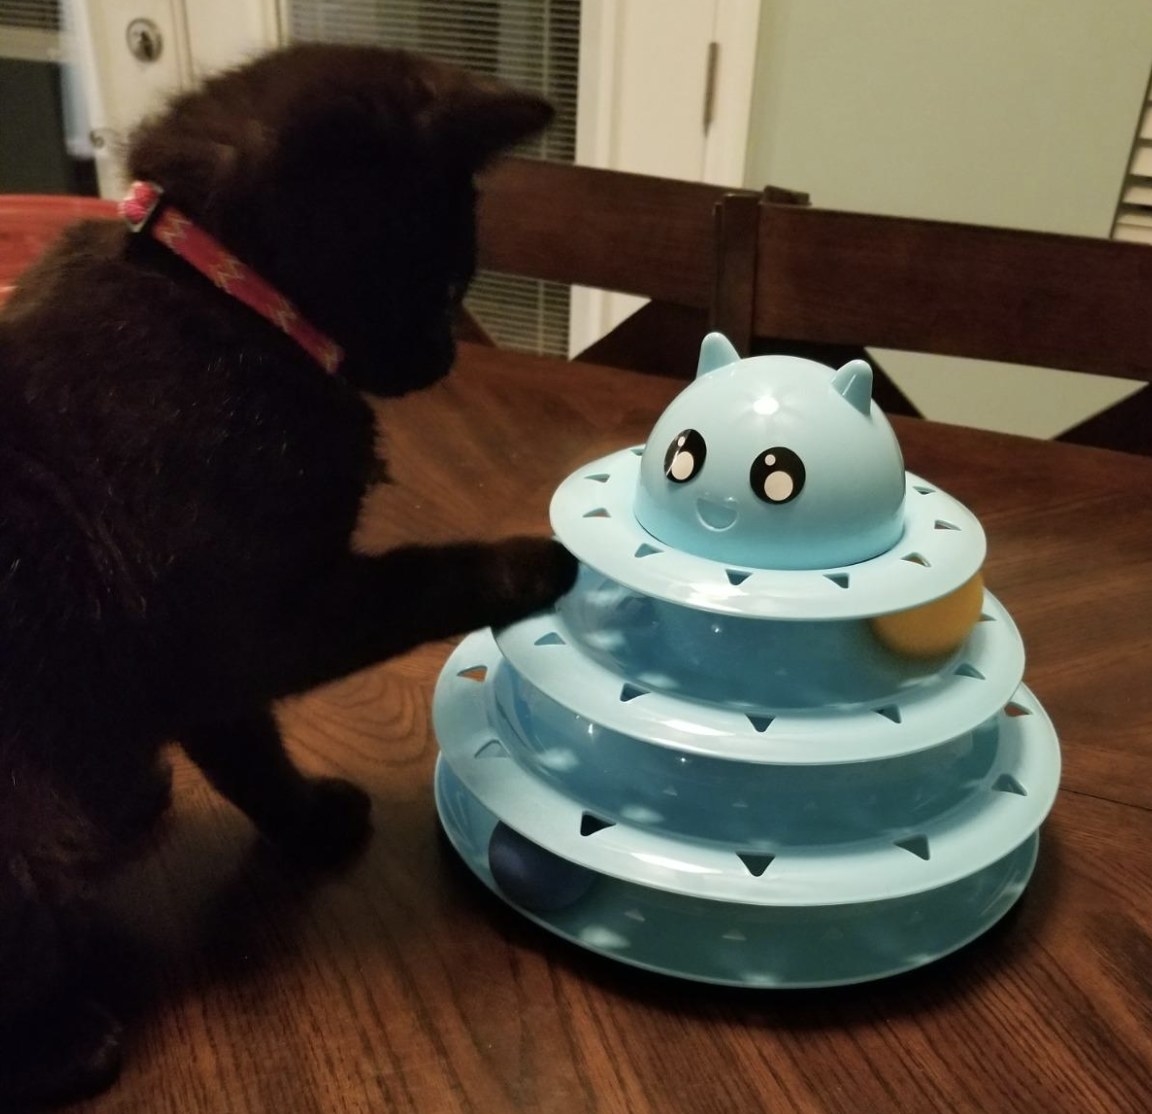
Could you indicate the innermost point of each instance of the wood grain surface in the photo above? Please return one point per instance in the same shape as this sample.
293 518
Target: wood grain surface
579 224
402 985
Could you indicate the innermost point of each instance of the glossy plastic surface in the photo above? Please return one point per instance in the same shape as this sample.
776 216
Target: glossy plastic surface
774 462
669 820
941 547
767 946
776 734
751 665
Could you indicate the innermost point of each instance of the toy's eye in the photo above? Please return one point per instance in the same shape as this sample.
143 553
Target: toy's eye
685 456
777 475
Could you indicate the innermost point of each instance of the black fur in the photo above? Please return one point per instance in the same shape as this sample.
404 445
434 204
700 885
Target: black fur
179 483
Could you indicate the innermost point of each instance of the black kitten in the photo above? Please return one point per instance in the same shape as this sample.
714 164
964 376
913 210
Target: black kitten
179 482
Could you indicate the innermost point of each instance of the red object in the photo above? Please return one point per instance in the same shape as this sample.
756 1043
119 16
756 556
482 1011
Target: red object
29 223
145 210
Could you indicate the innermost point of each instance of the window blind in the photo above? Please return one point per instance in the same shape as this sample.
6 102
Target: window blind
37 15
532 44
30 30
1134 214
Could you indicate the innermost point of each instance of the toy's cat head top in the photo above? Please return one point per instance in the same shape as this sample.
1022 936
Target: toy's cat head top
344 176
773 462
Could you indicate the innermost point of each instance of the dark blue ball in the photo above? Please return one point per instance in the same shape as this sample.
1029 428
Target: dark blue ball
532 877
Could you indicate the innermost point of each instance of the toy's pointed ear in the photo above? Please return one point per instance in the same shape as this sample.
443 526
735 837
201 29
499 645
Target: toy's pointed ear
715 352
854 382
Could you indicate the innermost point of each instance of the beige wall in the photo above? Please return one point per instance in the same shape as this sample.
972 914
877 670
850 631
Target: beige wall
1006 112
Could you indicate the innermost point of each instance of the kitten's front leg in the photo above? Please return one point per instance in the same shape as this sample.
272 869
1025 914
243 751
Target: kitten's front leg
317 820
447 590
56 1044
365 610
371 608
64 1049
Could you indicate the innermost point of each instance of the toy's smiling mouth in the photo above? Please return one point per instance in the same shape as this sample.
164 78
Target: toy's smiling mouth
716 516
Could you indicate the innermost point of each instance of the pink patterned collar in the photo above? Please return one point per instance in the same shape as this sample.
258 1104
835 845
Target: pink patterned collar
145 210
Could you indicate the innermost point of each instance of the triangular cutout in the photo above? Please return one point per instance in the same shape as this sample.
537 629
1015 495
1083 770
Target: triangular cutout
550 639
1012 710
917 845
637 450
590 824
474 673
986 618
1006 783
840 579
942 525
890 711
646 550
630 691
757 864
967 669
761 723
599 512
599 477
917 559
924 490
735 576
492 749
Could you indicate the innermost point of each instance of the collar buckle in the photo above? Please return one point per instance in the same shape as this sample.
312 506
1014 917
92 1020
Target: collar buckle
140 204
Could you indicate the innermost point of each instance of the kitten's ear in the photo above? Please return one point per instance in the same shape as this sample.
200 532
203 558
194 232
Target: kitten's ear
484 118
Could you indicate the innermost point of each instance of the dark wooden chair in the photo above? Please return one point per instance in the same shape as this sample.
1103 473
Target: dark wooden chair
687 246
847 279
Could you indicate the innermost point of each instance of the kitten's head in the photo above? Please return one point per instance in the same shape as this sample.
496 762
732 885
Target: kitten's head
344 176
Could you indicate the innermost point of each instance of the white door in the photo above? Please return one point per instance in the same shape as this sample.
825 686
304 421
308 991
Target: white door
184 39
120 86
665 89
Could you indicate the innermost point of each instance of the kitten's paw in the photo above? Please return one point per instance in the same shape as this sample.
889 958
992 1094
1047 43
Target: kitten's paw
63 1053
534 574
330 828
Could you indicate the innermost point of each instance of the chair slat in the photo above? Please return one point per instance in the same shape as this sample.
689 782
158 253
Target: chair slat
926 286
630 233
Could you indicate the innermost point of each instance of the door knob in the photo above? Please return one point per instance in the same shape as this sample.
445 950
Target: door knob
144 40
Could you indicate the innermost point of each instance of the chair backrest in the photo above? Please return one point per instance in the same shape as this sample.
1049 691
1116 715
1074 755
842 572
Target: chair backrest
688 246
29 223
1032 298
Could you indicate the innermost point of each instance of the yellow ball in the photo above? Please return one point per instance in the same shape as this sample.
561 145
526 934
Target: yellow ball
935 628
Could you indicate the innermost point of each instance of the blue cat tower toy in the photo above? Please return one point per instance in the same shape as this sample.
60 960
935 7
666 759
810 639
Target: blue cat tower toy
776 734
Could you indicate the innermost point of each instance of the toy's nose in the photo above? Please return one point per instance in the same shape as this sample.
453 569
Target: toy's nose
716 516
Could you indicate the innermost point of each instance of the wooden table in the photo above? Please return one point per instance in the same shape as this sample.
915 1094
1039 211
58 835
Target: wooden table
404 986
